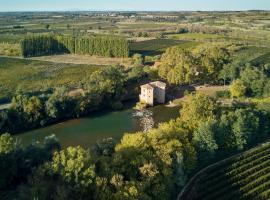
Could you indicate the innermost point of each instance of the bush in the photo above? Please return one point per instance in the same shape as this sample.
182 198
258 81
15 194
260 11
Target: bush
223 94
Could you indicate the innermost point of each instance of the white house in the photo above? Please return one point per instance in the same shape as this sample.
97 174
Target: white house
154 92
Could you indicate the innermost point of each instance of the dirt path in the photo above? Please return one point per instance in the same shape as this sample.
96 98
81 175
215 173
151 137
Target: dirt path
78 59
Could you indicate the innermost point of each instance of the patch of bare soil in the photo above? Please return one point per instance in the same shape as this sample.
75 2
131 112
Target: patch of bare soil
83 59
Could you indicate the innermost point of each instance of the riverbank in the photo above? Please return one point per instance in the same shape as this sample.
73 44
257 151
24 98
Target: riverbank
87 131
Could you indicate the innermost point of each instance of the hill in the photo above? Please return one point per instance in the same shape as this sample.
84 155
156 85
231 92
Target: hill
245 176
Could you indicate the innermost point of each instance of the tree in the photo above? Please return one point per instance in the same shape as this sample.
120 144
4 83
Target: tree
136 73
238 89
104 147
108 83
200 108
69 175
137 60
178 66
212 59
75 166
254 80
204 138
33 108
237 129
7 143
47 26
245 127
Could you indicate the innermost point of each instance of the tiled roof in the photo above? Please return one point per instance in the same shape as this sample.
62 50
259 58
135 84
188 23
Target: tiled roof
152 85
159 84
147 86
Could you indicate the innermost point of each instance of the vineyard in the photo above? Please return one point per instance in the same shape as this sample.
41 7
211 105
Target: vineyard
264 59
157 46
246 176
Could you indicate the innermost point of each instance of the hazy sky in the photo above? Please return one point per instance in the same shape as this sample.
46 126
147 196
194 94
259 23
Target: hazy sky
169 5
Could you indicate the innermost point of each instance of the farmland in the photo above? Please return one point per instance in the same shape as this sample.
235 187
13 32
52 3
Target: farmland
242 177
39 75
158 46
196 36
58 66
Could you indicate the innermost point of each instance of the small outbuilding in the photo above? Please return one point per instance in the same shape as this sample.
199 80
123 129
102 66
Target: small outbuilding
154 92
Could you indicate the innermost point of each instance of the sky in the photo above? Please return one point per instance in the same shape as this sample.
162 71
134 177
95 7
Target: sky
132 5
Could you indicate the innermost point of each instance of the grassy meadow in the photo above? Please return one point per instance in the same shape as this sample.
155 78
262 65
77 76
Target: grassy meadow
32 75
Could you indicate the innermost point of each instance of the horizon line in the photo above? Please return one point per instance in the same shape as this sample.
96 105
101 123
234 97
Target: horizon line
229 10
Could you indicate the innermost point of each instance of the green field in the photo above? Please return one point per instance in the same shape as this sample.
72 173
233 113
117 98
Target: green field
264 59
195 36
30 75
157 46
242 177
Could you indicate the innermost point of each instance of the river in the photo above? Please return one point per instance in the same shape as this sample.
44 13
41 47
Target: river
86 131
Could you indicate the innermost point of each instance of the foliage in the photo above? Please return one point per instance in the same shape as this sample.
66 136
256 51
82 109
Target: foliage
52 44
178 66
17 163
238 89
41 45
198 109
203 64
105 88
252 82
204 138
223 94
40 76
237 129
151 165
10 49
137 60
212 59
7 144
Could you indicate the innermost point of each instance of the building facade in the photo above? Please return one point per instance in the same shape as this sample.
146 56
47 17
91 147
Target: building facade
154 92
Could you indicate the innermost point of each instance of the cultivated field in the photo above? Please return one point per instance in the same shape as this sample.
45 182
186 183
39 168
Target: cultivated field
158 46
32 76
246 176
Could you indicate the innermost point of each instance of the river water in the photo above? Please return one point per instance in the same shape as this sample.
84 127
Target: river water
86 131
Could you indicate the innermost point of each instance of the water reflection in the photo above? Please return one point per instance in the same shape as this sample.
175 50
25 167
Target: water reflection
86 131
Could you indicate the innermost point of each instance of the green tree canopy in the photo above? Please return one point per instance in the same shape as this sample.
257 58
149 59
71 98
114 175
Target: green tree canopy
178 66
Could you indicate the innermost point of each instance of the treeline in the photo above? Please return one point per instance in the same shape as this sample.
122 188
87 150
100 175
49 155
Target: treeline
109 46
104 89
41 45
152 165
201 29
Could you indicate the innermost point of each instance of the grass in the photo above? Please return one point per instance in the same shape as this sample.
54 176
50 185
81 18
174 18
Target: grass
264 59
10 49
157 46
253 54
195 36
83 59
30 75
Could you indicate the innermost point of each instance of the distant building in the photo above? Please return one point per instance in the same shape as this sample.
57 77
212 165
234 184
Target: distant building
154 92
